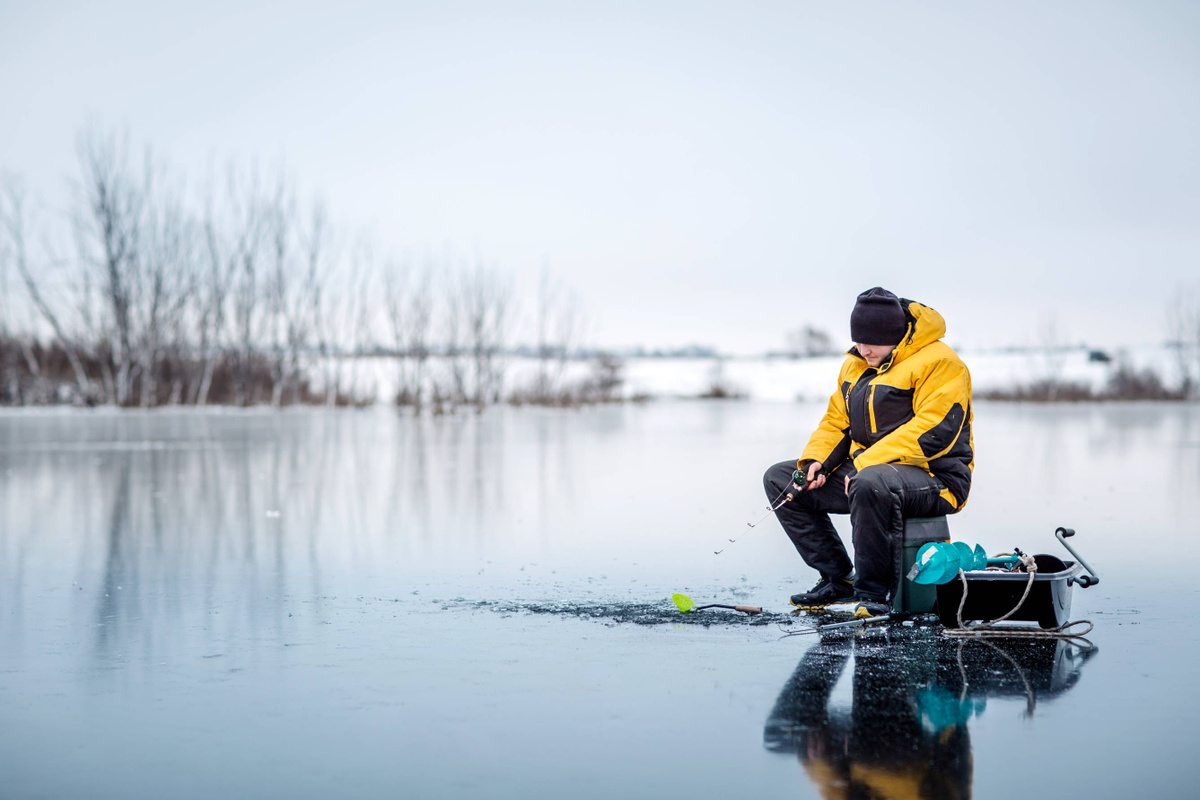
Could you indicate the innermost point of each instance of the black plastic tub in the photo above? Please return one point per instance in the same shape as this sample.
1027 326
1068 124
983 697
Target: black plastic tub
992 594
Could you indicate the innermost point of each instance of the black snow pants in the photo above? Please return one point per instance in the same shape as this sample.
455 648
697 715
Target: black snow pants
880 499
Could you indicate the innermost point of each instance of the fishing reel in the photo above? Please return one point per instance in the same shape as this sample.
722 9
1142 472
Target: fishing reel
799 479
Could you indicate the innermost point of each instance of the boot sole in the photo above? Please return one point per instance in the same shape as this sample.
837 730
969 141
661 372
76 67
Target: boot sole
819 606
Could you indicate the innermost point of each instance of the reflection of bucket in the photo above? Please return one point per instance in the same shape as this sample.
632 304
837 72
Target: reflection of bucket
993 593
940 708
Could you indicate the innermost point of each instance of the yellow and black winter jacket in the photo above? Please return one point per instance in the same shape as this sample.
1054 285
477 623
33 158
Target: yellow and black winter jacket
915 409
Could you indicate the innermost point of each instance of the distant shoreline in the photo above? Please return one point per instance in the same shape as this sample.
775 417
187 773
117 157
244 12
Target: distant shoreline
1074 376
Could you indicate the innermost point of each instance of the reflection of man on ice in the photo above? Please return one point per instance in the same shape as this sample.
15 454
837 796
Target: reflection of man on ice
894 443
879 747
904 733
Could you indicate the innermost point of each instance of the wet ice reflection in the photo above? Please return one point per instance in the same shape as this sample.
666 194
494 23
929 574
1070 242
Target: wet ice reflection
890 716
349 597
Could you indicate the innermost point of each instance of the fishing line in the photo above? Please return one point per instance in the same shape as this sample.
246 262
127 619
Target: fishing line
771 509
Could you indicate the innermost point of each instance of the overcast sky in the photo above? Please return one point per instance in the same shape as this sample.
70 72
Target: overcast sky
696 172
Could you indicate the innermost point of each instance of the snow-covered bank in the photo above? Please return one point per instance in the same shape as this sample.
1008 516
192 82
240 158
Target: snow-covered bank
778 379
367 379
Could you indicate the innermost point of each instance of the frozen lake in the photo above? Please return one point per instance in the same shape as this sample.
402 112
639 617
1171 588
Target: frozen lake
319 603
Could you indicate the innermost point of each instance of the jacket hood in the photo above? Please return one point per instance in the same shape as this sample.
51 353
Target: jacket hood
925 326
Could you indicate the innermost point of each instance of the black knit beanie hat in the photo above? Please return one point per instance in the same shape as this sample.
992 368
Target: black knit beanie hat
877 318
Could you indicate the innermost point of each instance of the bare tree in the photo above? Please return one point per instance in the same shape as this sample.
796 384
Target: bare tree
109 224
809 341
14 226
454 334
487 303
247 284
1053 356
166 279
547 298
212 290
288 309
326 301
236 296
231 233
358 322
10 375
1183 335
558 328
409 302
315 242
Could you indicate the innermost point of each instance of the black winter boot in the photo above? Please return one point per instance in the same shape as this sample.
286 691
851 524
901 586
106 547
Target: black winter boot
825 593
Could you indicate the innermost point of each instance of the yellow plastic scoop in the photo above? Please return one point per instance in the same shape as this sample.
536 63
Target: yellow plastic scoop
686 604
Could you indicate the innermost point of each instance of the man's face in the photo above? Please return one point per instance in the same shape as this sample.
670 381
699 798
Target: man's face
875 354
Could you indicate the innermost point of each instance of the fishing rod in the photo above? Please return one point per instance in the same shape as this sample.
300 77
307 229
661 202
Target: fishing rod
789 493
854 623
799 484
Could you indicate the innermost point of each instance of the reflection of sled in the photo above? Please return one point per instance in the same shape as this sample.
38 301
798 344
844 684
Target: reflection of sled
1037 670
1041 668
992 594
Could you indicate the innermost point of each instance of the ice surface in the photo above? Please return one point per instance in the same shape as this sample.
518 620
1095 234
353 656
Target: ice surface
446 607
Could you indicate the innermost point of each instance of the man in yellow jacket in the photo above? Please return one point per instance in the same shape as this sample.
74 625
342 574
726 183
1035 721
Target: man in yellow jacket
894 443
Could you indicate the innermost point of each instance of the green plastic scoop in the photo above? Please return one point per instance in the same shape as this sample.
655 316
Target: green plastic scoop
939 562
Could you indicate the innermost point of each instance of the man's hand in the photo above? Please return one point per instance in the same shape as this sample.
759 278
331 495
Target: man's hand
814 480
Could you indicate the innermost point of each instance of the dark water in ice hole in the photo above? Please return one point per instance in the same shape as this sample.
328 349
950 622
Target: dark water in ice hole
358 604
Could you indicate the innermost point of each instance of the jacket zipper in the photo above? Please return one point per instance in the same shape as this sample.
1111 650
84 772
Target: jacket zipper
871 408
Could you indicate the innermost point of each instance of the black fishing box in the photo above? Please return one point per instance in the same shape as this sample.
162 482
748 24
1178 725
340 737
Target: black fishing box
993 593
